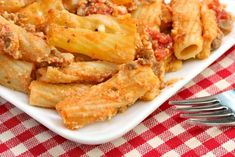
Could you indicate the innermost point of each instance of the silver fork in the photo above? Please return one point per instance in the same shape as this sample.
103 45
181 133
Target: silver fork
217 110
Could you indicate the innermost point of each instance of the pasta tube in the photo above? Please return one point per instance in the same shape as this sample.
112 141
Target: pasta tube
105 100
97 22
20 44
149 14
210 30
83 72
48 95
13 5
36 13
15 74
187 30
116 48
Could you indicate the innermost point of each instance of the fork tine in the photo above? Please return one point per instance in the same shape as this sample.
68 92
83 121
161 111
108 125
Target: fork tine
215 114
201 101
195 107
229 121
213 107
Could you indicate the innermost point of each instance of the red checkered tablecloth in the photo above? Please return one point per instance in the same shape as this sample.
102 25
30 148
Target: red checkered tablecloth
162 133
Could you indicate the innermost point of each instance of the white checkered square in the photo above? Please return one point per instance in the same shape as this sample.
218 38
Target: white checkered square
222 84
191 83
193 143
133 153
209 154
30 123
226 62
5 117
202 94
119 142
208 72
162 116
229 146
177 129
19 149
15 111
42 137
95 153
155 142
5 136
171 153
140 129
56 151
213 132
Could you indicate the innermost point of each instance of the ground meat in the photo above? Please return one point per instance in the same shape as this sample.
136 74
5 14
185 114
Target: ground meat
94 7
19 20
145 51
217 41
219 10
104 7
9 42
224 19
226 25
162 44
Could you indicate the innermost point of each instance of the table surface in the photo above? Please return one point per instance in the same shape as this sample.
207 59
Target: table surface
162 133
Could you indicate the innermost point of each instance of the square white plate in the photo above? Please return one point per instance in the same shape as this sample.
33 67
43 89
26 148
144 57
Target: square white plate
103 132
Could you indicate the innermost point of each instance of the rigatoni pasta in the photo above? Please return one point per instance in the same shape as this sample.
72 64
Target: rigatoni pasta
210 30
37 12
96 36
15 74
83 72
105 100
149 14
48 95
187 28
117 48
121 24
13 5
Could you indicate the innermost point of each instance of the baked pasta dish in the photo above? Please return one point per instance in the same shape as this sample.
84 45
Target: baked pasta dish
91 59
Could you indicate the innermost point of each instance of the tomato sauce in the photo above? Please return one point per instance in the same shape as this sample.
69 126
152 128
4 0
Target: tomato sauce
162 44
221 14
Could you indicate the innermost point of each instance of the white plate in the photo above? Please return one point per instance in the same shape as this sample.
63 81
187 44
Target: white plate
103 132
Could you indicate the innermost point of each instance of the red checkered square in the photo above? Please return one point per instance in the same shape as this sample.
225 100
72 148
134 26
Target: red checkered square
211 144
3 148
114 152
37 150
190 153
229 154
174 142
224 73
